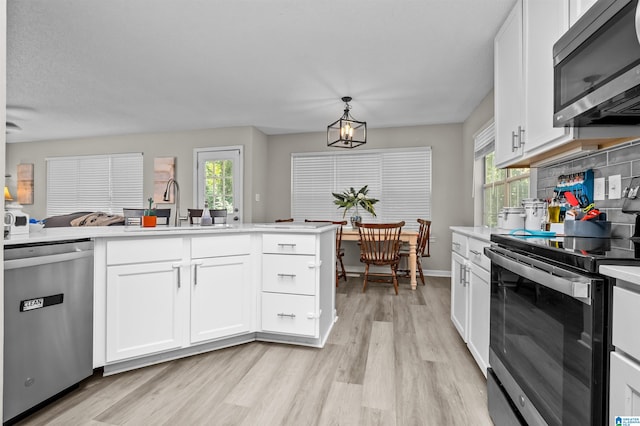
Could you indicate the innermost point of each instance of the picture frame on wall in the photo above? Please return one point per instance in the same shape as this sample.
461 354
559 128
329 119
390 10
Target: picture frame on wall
25 184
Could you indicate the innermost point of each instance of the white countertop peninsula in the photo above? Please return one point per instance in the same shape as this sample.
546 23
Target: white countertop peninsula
168 292
631 274
482 233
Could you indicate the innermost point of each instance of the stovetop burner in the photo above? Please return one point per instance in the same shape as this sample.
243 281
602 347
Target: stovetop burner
579 252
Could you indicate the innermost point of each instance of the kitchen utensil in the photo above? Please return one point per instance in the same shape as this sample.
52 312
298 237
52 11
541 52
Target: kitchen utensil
591 214
571 199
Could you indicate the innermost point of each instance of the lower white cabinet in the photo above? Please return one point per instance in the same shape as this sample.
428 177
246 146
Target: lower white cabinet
471 295
624 395
220 297
478 330
145 309
459 294
289 313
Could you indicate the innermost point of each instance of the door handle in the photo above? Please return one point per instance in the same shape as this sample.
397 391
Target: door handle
177 266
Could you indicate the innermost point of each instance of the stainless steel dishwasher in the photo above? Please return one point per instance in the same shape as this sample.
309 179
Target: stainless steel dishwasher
48 322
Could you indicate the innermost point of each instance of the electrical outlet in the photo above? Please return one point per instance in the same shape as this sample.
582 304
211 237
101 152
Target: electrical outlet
258 197
598 189
615 187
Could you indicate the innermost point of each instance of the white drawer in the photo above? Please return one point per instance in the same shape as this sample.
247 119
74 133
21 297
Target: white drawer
476 253
220 245
128 251
288 244
459 244
289 314
282 273
626 317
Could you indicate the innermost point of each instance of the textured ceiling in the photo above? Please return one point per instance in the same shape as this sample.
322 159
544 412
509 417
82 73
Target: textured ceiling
78 68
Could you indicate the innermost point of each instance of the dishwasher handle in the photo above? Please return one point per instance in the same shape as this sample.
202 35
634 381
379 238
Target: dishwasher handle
44 260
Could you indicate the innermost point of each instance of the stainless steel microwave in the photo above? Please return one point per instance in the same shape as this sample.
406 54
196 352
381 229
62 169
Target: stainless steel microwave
597 68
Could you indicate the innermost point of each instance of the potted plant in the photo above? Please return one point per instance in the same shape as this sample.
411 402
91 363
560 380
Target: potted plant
353 199
149 218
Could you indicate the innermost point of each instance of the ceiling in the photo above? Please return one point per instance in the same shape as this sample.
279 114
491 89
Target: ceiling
78 68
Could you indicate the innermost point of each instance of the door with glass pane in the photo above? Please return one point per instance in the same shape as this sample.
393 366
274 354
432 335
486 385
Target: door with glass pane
219 181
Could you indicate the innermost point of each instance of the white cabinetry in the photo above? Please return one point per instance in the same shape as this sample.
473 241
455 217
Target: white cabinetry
146 295
479 297
169 293
290 283
459 284
524 80
470 295
221 289
624 386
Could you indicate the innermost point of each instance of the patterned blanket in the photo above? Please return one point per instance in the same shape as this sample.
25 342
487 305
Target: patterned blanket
97 219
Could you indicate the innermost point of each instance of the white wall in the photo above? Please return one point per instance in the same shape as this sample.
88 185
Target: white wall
177 144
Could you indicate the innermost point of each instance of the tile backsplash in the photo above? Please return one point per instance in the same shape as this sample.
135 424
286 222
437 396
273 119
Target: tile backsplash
621 160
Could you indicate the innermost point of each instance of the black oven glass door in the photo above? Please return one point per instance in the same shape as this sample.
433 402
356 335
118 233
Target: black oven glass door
545 338
609 52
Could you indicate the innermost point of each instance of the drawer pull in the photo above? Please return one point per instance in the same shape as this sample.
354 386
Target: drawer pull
287 275
477 253
281 315
287 244
456 245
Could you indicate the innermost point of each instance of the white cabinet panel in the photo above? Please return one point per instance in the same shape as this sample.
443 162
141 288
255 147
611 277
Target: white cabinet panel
145 309
144 250
479 300
289 244
283 273
289 314
626 317
460 244
228 245
459 294
476 253
624 395
220 298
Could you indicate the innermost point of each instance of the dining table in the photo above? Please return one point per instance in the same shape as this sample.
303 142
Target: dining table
408 236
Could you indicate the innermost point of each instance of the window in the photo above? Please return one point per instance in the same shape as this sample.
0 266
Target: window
499 187
399 178
105 183
502 188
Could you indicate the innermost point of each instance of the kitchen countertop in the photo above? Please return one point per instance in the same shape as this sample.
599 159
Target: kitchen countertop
626 273
74 233
480 232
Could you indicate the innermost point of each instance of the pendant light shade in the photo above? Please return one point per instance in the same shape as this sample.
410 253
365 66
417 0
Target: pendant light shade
346 132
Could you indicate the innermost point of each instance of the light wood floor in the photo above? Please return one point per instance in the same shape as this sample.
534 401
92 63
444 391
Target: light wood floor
390 360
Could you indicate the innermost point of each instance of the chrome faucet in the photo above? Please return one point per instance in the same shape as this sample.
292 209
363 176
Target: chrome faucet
166 197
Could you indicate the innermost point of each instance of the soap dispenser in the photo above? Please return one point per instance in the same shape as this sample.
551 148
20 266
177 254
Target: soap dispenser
206 220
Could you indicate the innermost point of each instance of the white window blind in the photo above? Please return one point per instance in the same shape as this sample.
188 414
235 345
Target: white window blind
104 183
399 178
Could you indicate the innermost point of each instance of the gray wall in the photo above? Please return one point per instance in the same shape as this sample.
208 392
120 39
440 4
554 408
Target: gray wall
447 175
623 160
178 144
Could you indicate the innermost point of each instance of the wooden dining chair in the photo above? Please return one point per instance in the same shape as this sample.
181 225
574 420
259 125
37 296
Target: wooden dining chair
340 271
380 246
215 213
284 220
422 249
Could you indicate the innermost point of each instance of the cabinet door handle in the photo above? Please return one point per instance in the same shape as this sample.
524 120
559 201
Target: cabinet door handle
281 315
177 267
312 265
514 137
287 275
520 136
463 275
195 271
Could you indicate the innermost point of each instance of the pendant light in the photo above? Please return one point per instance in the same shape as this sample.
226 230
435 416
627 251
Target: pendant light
346 132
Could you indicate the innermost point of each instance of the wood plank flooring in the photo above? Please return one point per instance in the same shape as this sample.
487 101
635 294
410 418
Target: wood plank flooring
390 360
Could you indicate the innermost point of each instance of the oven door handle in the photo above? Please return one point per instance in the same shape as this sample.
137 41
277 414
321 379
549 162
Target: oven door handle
561 280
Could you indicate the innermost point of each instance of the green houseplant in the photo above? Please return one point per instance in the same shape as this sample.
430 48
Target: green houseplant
352 199
149 218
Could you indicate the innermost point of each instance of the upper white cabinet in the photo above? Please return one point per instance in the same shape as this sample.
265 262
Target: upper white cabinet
524 80
577 8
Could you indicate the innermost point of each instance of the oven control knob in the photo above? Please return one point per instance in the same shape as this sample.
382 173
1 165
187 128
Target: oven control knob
521 399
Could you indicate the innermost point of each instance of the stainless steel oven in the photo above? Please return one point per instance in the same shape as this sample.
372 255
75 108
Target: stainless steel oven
546 343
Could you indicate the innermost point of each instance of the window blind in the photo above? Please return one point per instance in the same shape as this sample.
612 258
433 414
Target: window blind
399 178
104 183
